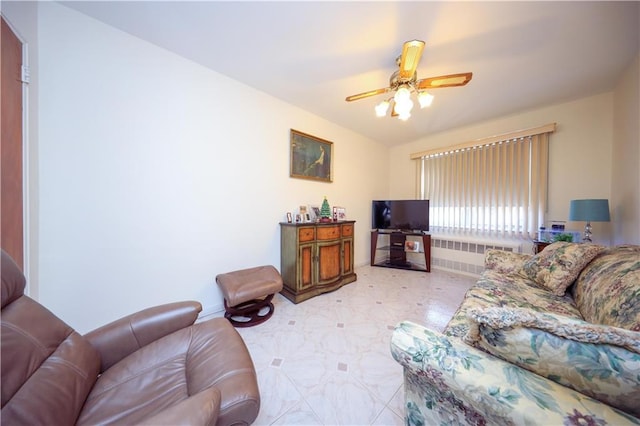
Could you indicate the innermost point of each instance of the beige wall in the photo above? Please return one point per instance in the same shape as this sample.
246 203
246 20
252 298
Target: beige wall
580 154
142 175
155 174
625 181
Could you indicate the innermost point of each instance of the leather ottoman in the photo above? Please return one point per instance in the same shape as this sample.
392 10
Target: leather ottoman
247 292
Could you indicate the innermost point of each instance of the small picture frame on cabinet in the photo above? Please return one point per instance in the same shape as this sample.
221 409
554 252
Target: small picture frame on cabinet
289 217
314 212
297 218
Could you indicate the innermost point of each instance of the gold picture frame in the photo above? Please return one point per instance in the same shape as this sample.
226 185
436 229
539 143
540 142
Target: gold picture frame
311 157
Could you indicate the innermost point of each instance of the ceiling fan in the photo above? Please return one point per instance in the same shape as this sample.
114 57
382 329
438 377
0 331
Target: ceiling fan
405 81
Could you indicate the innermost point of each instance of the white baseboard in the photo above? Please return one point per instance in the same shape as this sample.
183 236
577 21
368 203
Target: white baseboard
209 312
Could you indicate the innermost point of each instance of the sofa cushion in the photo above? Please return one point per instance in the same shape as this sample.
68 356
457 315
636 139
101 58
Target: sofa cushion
495 288
558 265
597 360
608 289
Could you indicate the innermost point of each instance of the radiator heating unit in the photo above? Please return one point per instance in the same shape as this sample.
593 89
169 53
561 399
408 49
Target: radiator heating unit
466 255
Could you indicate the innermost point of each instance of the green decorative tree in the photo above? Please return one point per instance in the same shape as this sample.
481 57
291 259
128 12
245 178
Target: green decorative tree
325 211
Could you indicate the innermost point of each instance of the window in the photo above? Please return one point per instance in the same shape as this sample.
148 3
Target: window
496 186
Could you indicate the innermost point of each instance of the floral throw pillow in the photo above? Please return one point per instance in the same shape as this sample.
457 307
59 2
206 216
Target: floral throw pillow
505 262
558 265
607 291
597 360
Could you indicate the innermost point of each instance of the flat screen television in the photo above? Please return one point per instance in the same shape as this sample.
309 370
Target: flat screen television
402 215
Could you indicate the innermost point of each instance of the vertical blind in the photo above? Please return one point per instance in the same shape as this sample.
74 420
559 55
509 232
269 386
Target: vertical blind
493 187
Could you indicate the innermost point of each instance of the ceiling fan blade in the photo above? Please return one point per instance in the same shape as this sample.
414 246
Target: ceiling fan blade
451 80
367 94
411 53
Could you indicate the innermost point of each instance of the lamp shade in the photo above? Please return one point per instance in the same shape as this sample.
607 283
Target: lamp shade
589 210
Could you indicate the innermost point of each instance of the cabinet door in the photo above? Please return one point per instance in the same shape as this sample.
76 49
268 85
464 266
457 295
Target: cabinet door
305 266
347 256
329 261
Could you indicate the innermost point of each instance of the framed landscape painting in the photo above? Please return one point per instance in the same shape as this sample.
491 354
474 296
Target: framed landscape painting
311 157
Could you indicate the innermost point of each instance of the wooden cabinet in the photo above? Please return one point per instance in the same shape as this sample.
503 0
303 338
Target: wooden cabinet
315 258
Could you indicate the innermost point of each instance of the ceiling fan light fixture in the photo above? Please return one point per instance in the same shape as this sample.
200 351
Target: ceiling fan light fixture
425 99
403 93
382 108
404 106
404 116
404 82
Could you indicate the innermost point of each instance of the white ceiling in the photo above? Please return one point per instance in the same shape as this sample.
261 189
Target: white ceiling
523 55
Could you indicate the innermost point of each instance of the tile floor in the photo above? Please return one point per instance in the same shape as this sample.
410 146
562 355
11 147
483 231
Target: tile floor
326 361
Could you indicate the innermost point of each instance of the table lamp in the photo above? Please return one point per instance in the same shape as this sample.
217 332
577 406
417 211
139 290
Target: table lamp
589 211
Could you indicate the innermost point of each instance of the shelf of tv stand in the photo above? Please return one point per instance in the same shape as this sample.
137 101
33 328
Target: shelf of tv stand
396 255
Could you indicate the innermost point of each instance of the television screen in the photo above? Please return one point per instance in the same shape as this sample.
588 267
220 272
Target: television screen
381 215
403 215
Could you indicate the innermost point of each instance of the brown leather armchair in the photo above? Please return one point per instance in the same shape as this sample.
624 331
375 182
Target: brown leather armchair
153 367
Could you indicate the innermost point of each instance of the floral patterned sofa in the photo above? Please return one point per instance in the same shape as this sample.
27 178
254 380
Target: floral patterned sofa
547 339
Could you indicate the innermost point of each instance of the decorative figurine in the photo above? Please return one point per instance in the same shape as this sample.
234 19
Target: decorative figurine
325 211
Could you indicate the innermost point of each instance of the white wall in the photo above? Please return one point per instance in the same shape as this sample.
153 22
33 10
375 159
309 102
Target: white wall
625 182
156 174
579 154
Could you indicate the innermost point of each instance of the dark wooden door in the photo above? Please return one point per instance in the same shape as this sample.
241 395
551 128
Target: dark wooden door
11 146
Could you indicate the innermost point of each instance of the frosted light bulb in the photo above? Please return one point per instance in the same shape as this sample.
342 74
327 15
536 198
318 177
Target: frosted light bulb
404 107
425 99
401 94
381 108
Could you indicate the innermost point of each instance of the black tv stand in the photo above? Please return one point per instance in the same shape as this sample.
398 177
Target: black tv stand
395 254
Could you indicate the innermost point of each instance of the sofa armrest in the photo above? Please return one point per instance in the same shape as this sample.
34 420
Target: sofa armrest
447 381
505 262
124 336
200 409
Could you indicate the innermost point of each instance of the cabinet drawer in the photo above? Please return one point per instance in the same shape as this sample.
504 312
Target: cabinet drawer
328 232
347 230
306 234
